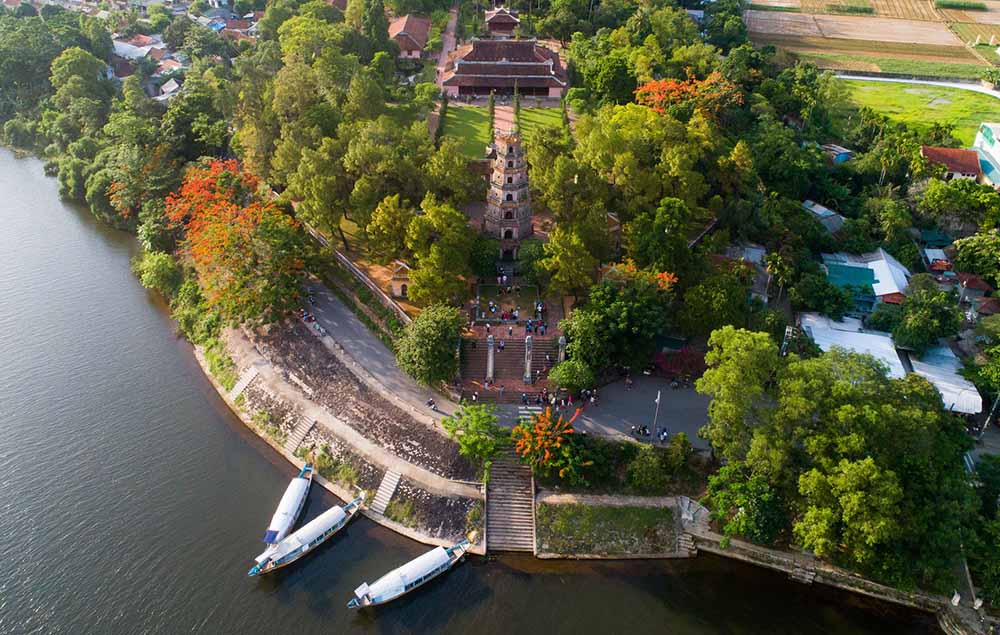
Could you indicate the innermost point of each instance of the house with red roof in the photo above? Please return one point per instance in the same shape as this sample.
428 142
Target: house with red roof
484 66
410 32
958 163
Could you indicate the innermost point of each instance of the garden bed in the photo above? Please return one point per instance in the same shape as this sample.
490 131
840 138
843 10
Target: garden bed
600 530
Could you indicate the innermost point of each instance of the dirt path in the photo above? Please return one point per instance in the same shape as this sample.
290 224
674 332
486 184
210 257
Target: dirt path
447 41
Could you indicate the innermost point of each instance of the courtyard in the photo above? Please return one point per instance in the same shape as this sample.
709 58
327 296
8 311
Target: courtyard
470 125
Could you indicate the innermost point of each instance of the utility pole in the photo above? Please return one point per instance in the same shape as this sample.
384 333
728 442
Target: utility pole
656 413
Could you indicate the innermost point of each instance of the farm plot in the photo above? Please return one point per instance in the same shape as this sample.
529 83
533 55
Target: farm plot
968 32
851 28
777 5
906 9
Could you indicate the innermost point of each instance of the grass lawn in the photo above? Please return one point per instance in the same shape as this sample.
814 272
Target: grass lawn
590 529
470 124
920 106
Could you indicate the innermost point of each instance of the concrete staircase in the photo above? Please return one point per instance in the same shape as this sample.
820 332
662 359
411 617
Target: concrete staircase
803 575
385 491
298 434
248 376
510 506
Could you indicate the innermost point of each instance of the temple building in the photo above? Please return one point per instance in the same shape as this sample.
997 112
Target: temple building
484 66
508 203
501 22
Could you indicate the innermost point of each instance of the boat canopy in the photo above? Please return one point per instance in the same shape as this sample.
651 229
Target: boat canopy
288 510
309 532
394 583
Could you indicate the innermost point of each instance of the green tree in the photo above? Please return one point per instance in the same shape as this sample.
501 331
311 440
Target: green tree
746 505
960 201
483 257
928 314
479 437
374 24
646 471
427 348
659 239
158 271
813 292
568 262
572 375
853 508
741 364
980 253
720 300
441 242
448 175
322 187
388 227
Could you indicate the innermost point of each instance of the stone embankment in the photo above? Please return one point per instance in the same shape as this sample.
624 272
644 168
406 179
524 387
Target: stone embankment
301 400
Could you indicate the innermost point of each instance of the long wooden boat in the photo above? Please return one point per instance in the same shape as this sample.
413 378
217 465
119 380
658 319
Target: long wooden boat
408 577
289 508
308 537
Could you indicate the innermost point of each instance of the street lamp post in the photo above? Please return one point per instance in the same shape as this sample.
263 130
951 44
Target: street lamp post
656 413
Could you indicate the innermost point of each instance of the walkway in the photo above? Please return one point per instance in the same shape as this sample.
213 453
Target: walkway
976 88
552 497
243 349
374 358
681 410
447 42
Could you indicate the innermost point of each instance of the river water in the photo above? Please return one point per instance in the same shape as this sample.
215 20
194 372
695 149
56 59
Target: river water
132 501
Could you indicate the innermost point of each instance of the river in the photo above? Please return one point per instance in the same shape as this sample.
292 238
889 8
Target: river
132 500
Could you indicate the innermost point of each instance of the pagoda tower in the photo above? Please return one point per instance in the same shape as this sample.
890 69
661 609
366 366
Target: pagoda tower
508 203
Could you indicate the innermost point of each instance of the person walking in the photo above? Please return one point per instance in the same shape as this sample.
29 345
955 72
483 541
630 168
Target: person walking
500 396
510 331
487 328
524 399
475 396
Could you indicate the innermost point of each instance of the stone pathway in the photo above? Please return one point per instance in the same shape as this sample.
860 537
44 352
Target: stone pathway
557 498
385 491
510 507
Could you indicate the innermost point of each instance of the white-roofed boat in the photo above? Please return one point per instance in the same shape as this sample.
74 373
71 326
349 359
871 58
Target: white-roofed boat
289 508
308 537
408 577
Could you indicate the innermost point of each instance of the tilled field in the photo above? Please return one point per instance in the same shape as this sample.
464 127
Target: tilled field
290 346
851 27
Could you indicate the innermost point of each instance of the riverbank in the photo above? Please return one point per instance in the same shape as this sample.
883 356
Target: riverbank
428 517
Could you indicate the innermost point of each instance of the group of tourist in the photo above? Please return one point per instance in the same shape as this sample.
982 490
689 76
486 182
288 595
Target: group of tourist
661 434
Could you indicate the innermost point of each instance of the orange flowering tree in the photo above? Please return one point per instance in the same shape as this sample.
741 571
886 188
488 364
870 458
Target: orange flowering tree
711 96
246 252
545 442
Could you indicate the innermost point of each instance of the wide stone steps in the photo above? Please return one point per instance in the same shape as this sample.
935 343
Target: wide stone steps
298 435
385 491
510 506
248 376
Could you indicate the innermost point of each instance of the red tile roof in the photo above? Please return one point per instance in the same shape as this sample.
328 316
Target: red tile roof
972 281
893 298
501 16
141 40
237 25
988 306
953 159
501 63
410 32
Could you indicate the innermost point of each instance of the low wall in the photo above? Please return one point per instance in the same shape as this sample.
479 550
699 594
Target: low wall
362 277
953 620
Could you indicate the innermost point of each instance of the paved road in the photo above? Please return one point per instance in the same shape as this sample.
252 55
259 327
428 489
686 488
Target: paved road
976 88
681 410
369 351
447 42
